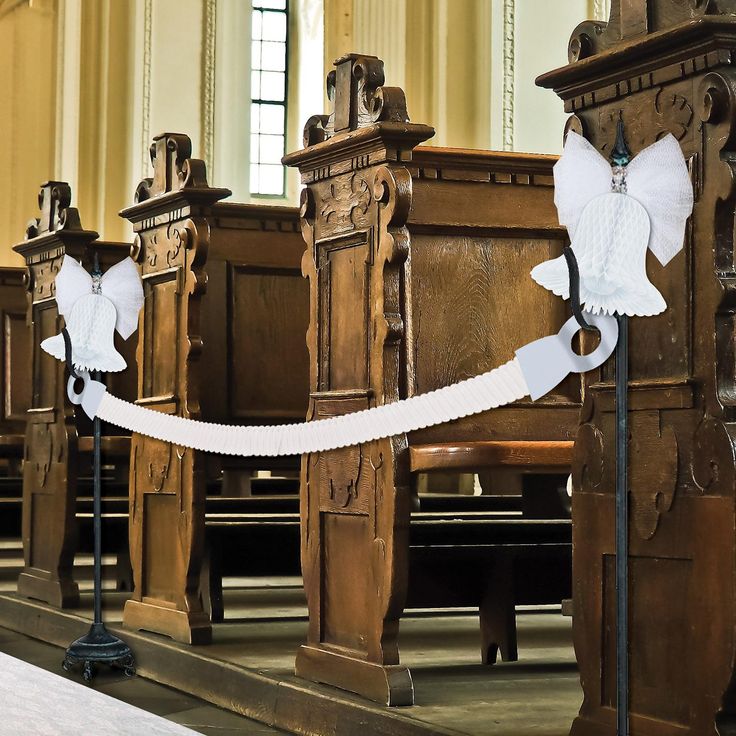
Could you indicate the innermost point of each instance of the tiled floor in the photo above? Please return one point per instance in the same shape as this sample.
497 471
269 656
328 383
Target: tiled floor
159 699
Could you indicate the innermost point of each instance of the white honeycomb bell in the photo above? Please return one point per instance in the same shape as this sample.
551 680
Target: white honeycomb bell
610 244
91 328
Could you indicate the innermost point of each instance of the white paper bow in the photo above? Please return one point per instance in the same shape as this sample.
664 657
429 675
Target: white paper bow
610 230
93 309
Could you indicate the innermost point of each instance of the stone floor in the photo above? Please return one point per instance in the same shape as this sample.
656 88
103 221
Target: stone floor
266 623
163 701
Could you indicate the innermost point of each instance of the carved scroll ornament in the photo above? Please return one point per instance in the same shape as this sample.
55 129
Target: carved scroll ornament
358 99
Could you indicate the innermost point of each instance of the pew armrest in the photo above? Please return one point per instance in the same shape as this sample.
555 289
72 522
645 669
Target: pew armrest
471 456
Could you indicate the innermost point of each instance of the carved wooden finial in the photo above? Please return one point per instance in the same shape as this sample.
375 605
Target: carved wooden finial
358 98
632 18
173 167
54 200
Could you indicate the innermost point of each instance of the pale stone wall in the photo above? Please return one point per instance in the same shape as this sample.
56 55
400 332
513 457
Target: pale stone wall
89 82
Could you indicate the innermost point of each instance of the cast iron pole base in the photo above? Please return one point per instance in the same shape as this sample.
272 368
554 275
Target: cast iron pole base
97 647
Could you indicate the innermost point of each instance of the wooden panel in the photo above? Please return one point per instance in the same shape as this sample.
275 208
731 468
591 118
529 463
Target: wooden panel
473 305
482 205
268 361
344 303
159 361
344 602
656 584
159 546
44 365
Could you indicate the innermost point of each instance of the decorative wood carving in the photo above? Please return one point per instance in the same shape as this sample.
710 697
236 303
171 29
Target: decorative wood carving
667 65
632 18
358 98
174 168
669 112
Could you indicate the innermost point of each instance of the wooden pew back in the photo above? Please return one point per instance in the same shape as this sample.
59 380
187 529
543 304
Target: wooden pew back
15 351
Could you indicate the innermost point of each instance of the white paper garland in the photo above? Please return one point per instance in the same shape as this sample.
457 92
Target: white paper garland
536 369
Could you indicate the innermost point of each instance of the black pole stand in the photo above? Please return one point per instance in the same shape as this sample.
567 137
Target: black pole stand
98 646
620 158
622 528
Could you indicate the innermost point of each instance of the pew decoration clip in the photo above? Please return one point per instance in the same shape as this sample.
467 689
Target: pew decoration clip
613 213
94 306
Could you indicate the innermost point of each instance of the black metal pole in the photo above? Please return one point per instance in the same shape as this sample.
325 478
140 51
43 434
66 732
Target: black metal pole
97 513
98 646
622 527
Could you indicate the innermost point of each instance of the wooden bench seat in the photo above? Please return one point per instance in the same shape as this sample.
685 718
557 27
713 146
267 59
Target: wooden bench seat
453 501
111 446
470 456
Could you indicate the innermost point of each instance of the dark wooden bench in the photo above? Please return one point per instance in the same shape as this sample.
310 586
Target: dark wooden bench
418 260
223 284
58 446
681 480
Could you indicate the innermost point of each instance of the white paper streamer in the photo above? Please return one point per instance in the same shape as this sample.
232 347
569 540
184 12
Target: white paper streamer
536 369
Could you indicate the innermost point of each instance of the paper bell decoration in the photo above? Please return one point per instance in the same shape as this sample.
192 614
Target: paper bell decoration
613 215
94 307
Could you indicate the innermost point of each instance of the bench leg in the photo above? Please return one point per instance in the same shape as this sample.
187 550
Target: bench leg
355 554
498 616
211 582
49 523
123 572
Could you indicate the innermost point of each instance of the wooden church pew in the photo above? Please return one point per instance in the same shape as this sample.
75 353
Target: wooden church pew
57 445
663 67
222 339
418 261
